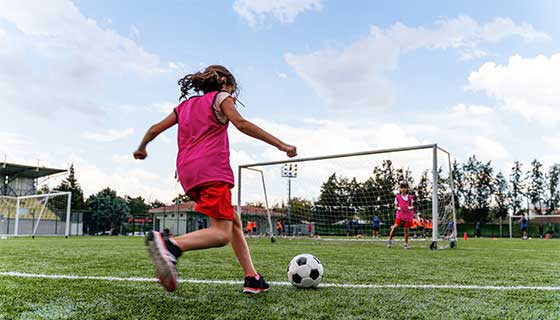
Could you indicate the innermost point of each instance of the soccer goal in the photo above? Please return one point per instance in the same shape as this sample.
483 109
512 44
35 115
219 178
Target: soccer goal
37 215
350 196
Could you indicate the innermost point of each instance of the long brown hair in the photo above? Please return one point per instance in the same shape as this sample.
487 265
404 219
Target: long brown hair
213 78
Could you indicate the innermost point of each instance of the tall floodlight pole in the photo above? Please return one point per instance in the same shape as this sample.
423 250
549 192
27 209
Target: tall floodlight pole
289 171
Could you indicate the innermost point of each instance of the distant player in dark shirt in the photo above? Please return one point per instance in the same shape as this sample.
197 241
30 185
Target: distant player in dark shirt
376 222
477 227
524 227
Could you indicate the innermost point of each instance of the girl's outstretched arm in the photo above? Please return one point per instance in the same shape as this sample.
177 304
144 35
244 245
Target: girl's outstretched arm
152 133
250 129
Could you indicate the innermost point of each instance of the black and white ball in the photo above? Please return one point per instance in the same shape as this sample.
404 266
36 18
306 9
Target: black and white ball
305 271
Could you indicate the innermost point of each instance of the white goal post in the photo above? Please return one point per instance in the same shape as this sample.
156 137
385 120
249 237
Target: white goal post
340 196
33 215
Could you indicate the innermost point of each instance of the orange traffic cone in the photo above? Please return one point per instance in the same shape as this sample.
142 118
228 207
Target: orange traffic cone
546 237
465 236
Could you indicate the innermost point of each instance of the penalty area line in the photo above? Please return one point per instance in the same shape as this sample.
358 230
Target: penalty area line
284 283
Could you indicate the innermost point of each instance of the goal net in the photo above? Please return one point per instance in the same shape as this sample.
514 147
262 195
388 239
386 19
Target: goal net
38 215
349 196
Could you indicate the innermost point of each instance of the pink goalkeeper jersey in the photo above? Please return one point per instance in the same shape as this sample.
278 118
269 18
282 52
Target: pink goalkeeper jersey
203 144
404 203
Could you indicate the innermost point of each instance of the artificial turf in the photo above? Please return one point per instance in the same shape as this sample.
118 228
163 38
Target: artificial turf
480 262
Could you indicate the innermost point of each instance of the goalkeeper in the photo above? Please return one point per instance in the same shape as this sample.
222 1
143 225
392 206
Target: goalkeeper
404 204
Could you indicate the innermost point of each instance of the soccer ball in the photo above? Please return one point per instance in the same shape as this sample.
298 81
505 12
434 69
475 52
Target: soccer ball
305 271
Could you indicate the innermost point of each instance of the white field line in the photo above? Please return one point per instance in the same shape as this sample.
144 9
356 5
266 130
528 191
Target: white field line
283 283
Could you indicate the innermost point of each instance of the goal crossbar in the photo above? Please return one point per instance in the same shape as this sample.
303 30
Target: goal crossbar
346 155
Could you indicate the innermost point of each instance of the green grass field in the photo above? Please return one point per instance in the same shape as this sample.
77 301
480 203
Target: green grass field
480 262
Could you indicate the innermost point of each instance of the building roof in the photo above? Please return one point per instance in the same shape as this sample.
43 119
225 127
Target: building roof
23 171
189 206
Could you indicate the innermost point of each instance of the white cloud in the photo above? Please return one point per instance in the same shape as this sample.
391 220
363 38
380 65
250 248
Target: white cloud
462 109
60 28
108 135
285 11
135 182
63 54
123 159
488 149
165 107
552 142
357 76
134 33
12 146
282 75
527 86
164 138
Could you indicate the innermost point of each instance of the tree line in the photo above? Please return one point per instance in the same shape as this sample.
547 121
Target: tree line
480 192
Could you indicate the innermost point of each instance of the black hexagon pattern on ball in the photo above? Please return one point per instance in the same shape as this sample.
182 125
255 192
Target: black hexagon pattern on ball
301 261
296 278
314 274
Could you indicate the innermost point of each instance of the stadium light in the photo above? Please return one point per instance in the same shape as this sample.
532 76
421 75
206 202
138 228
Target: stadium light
289 170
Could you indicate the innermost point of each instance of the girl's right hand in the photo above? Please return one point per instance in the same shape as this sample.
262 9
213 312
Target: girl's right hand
140 154
290 150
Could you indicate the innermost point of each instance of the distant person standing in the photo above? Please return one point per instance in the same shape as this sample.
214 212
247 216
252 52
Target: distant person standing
279 227
524 227
450 230
376 223
541 230
254 227
404 206
356 226
249 227
421 225
477 227
347 227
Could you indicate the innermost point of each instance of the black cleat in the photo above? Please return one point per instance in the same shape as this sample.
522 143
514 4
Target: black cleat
254 285
163 258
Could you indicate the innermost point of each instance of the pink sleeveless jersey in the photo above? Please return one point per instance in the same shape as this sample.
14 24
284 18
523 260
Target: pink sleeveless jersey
404 213
203 144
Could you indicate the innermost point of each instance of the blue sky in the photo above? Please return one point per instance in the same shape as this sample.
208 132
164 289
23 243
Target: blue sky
81 81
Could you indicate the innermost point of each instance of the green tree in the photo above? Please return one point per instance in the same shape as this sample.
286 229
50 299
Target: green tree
108 211
458 187
71 184
423 196
517 186
502 196
137 206
156 204
182 198
479 188
328 194
536 187
301 209
554 188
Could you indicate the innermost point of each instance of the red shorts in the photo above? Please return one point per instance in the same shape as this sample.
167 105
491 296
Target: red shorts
213 199
406 224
